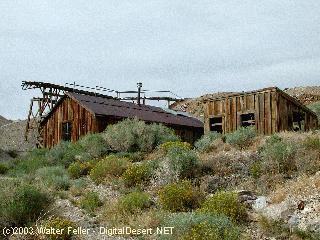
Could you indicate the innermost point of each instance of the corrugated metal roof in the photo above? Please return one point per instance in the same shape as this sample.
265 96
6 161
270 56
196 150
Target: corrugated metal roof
111 107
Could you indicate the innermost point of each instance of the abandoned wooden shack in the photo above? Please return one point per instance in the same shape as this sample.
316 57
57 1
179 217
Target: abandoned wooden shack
270 110
76 115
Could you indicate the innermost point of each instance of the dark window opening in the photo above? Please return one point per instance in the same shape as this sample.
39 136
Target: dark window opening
216 124
66 131
247 120
298 121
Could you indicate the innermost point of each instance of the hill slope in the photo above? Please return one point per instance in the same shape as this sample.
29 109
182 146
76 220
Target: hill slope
12 136
3 121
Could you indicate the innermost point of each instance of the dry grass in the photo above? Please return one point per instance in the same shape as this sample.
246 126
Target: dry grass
301 187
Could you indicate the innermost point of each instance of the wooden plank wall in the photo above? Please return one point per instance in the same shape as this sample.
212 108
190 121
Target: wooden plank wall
84 122
262 104
68 110
272 108
286 109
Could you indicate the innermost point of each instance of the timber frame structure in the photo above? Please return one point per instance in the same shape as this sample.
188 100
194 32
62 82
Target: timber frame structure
270 110
76 115
52 93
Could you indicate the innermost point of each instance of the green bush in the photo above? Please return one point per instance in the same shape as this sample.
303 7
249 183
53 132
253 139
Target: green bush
90 202
111 166
23 205
225 203
66 153
94 145
184 162
179 197
60 223
176 144
78 169
133 156
134 202
256 169
29 163
241 138
132 135
137 174
204 144
78 186
278 156
54 177
3 168
194 226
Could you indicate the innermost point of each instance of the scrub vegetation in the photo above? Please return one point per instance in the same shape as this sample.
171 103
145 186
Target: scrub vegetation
143 176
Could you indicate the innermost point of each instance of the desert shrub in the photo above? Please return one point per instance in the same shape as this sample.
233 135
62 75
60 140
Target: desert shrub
176 144
241 138
192 225
54 177
162 134
256 169
316 108
184 162
24 205
111 166
94 145
228 164
179 197
60 223
133 156
78 186
134 202
66 153
29 163
278 156
205 143
312 142
225 203
132 135
78 169
137 174
90 202
3 168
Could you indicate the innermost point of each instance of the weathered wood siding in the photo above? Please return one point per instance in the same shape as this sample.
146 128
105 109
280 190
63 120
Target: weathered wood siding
83 122
286 109
189 135
68 110
272 109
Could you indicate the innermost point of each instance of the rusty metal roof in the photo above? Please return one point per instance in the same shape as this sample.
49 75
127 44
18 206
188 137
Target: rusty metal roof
111 107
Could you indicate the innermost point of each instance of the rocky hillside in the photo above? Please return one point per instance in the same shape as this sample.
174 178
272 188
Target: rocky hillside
12 137
232 187
194 106
3 121
306 95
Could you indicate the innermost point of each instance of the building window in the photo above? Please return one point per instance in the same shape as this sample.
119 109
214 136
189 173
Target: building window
247 120
66 131
298 121
216 124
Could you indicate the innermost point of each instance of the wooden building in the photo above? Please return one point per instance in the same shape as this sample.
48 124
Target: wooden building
76 115
270 110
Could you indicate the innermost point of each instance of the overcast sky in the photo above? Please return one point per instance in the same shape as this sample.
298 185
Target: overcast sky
190 47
